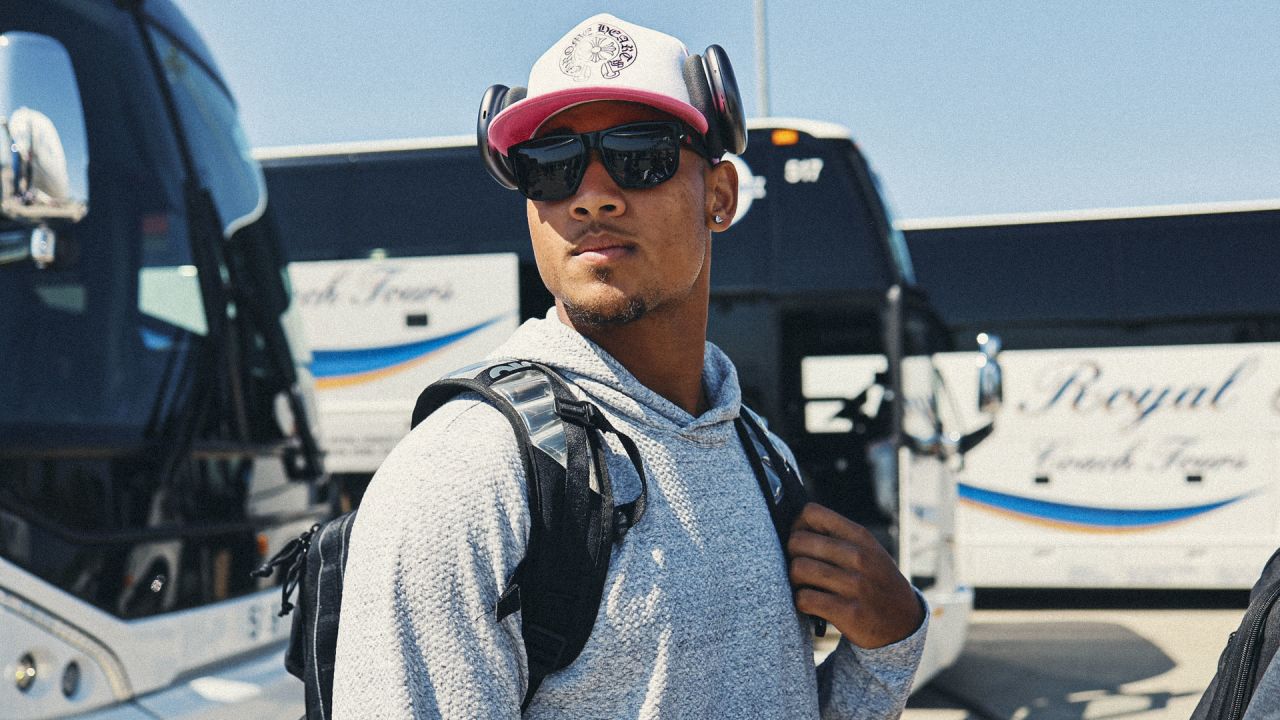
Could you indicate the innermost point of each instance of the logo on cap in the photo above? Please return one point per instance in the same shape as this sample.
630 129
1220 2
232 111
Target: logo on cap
600 45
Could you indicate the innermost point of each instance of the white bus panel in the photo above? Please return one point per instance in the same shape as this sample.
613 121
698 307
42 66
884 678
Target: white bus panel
382 330
1123 467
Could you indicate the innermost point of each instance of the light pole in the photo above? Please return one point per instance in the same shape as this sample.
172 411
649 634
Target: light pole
762 62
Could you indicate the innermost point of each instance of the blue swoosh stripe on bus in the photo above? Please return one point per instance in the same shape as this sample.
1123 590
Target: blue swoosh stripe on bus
1083 515
332 363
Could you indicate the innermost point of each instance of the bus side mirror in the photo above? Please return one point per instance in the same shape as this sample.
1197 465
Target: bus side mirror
990 378
990 398
44 152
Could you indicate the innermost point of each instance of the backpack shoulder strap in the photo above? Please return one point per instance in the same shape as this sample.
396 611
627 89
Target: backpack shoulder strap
780 483
574 521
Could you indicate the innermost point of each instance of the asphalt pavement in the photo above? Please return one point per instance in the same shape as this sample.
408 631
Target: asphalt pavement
1076 664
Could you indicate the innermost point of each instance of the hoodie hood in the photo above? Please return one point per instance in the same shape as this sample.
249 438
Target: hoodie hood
549 341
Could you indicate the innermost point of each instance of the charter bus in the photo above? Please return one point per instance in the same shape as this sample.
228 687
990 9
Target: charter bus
407 260
155 441
1139 444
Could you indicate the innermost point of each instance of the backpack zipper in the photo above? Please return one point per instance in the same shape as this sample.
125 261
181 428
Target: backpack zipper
293 558
1246 655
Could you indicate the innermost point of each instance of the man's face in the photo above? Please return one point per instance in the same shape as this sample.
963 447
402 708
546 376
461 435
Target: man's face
611 256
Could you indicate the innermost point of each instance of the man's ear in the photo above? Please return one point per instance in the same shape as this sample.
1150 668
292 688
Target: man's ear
722 195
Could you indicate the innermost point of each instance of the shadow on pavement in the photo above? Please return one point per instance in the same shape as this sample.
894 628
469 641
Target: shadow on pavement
1050 671
1026 599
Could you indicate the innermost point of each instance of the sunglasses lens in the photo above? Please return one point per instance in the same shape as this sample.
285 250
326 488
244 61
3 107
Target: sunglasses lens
550 168
637 156
641 156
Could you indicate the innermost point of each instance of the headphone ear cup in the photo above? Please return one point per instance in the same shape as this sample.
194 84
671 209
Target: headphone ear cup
496 99
726 100
695 79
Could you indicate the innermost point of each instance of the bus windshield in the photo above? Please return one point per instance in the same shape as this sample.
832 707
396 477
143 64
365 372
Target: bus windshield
90 346
806 222
136 450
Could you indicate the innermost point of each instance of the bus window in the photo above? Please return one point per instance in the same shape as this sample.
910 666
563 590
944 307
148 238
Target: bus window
1136 281
1217 272
813 229
393 204
1013 281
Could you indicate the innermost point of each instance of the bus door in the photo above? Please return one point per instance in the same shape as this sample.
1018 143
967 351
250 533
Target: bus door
886 465
929 451
842 430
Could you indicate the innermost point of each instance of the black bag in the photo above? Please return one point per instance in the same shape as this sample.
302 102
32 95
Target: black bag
1249 651
574 525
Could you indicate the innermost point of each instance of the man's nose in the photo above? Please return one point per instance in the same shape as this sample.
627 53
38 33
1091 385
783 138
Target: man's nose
598 196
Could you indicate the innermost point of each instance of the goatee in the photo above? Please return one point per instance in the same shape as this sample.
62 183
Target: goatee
587 318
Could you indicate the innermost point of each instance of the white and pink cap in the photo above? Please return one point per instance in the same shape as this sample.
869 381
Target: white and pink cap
603 58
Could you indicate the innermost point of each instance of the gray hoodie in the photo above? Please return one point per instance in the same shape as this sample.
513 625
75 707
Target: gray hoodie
697 618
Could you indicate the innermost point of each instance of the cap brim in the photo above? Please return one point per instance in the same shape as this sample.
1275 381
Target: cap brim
520 121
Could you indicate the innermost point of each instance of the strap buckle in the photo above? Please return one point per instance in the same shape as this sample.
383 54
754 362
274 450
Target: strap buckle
579 413
509 601
622 521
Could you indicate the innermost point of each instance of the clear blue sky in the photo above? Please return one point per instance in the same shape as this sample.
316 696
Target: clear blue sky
963 107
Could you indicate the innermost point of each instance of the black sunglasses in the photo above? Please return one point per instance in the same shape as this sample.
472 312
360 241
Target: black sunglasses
636 155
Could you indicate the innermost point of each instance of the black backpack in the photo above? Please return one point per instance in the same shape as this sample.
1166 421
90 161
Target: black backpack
1249 651
574 524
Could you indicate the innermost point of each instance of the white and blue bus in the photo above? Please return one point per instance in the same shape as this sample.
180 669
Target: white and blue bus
813 296
1139 443
154 400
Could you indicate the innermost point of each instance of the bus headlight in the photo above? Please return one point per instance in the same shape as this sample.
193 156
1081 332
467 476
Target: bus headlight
56 668
25 674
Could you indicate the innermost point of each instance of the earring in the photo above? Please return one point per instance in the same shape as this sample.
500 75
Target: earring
718 219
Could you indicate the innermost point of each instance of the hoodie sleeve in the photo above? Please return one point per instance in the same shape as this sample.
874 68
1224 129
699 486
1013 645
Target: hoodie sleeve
859 684
442 526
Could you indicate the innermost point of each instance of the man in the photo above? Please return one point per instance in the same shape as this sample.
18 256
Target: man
703 613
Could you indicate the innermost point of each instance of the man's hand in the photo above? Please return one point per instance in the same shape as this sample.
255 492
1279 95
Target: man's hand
842 575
